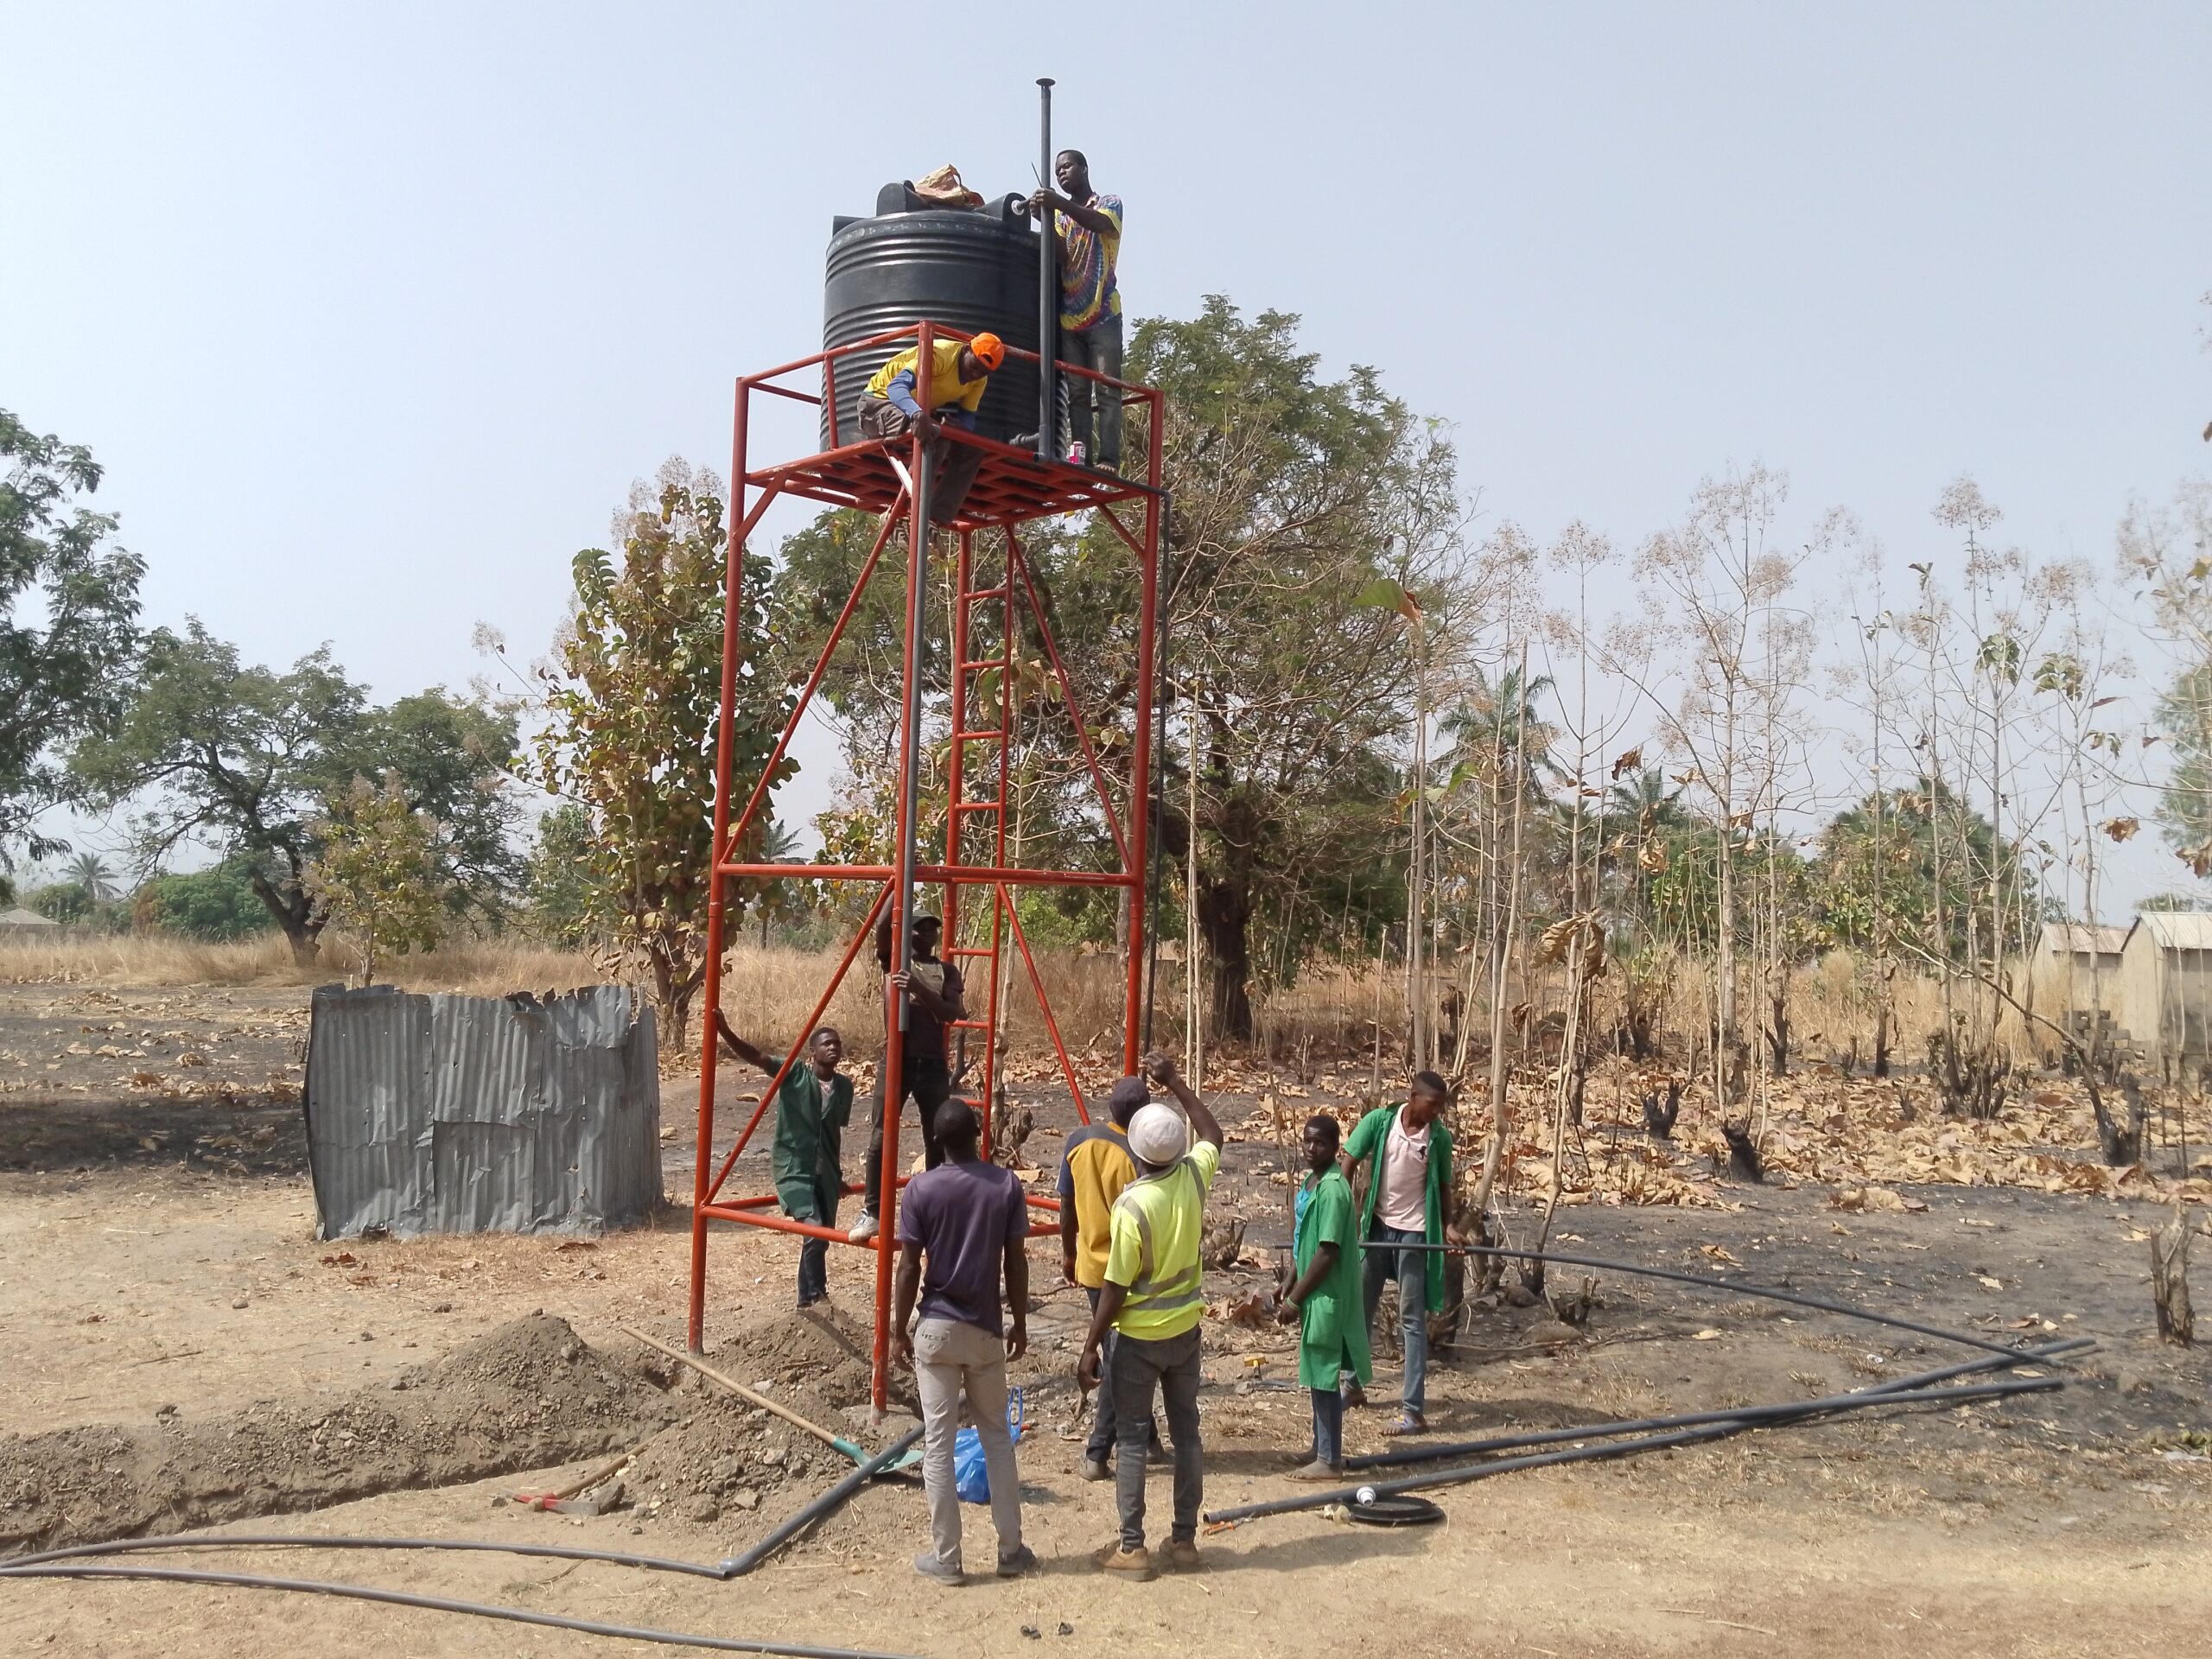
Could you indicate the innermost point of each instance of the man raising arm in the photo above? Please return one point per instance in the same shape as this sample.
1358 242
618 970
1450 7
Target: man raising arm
1153 1299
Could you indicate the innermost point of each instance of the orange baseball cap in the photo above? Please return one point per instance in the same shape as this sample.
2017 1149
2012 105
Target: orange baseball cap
989 349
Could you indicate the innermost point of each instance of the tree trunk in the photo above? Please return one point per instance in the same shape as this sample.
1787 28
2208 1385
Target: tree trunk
295 912
1225 917
2170 1279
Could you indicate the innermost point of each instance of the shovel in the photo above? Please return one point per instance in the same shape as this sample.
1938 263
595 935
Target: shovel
859 1454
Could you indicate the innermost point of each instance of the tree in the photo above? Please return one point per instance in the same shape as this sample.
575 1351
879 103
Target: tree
788 901
216 903
453 757
1880 864
1737 653
2169 550
1293 496
68 624
63 901
247 759
631 701
562 893
90 872
379 876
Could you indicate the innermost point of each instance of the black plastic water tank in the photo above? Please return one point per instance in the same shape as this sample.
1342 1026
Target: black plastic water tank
976 271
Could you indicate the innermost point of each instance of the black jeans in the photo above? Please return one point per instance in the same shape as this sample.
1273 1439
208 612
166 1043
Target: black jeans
1093 411
1171 1369
952 467
1103 1439
928 1083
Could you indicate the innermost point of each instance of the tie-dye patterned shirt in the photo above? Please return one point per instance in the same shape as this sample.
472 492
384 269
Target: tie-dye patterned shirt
1087 292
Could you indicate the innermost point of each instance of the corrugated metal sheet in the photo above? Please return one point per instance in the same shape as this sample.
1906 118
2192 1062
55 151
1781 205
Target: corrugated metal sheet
466 1114
2082 939
2178 930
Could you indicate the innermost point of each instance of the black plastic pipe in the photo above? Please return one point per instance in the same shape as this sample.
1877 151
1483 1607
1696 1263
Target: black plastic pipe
1048 286
738 1565
1830 1403
1164 588
307 1541
1429 1453
435 1604
1738 1422
1706 1281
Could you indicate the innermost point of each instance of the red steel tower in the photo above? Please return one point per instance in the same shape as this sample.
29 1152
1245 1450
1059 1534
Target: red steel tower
1013 488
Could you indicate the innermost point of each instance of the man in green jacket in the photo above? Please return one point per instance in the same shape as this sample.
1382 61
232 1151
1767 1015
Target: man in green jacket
1409 1197
812 1108
1324 1301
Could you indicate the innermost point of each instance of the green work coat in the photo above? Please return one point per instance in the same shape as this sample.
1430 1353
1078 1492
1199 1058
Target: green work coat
1332 1320
1366 1141
807 1158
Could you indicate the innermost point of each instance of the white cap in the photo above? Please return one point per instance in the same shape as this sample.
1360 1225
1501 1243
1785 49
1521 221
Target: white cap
1159 1136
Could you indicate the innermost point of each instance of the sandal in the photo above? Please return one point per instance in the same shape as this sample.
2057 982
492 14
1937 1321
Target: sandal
1411 1423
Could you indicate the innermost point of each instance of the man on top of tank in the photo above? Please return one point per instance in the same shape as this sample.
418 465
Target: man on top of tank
1090 226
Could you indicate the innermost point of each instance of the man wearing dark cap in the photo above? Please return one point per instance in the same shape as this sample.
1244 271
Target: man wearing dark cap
935 997
1095 1166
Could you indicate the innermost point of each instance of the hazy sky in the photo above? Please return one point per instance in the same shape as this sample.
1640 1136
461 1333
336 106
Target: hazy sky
373 315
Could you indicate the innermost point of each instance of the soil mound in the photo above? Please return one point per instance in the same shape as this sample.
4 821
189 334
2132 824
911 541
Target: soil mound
526 1396
817 1351
734 1463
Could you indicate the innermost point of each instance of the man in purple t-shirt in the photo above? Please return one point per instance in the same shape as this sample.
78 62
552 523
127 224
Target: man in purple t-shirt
963 1228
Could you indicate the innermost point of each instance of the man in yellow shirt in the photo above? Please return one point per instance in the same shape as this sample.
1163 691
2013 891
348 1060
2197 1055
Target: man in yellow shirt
1095 1166
1152 1301
891 407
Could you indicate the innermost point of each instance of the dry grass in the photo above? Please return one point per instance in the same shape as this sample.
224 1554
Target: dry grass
489 967
768 992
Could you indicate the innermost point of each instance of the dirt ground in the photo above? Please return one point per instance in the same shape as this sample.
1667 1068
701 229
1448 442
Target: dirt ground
163 1293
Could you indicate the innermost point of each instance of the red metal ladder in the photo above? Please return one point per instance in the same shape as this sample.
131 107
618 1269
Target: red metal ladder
991 806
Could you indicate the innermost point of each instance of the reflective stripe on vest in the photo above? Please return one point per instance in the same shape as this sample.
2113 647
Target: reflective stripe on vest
1149 1292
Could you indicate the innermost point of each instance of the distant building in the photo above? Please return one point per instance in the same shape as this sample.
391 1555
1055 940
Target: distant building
19 921
2165 975
2077 966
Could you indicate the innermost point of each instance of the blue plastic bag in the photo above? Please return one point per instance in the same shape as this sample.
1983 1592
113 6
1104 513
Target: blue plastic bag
971 1478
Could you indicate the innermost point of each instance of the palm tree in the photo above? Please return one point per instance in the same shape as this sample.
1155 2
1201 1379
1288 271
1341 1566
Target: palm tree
1648 790
779 844
1496 730
90 872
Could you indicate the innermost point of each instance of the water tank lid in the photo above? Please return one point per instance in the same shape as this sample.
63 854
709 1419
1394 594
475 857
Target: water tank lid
900 197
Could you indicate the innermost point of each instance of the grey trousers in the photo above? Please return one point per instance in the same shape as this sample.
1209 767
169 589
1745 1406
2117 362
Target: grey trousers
1171 1368
950 1357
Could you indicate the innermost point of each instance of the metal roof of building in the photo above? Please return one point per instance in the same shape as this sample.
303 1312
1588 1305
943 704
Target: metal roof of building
2178 930
2082 938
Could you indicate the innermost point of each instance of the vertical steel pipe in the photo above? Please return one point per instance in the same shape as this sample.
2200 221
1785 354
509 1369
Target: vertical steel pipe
892 1072
1048 286
717 883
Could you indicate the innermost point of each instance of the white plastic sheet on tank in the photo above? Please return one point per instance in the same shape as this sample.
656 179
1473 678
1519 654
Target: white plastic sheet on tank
470 1113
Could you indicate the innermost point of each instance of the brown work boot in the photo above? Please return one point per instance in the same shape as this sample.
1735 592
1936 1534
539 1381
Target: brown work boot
1183 1554
1134 1565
